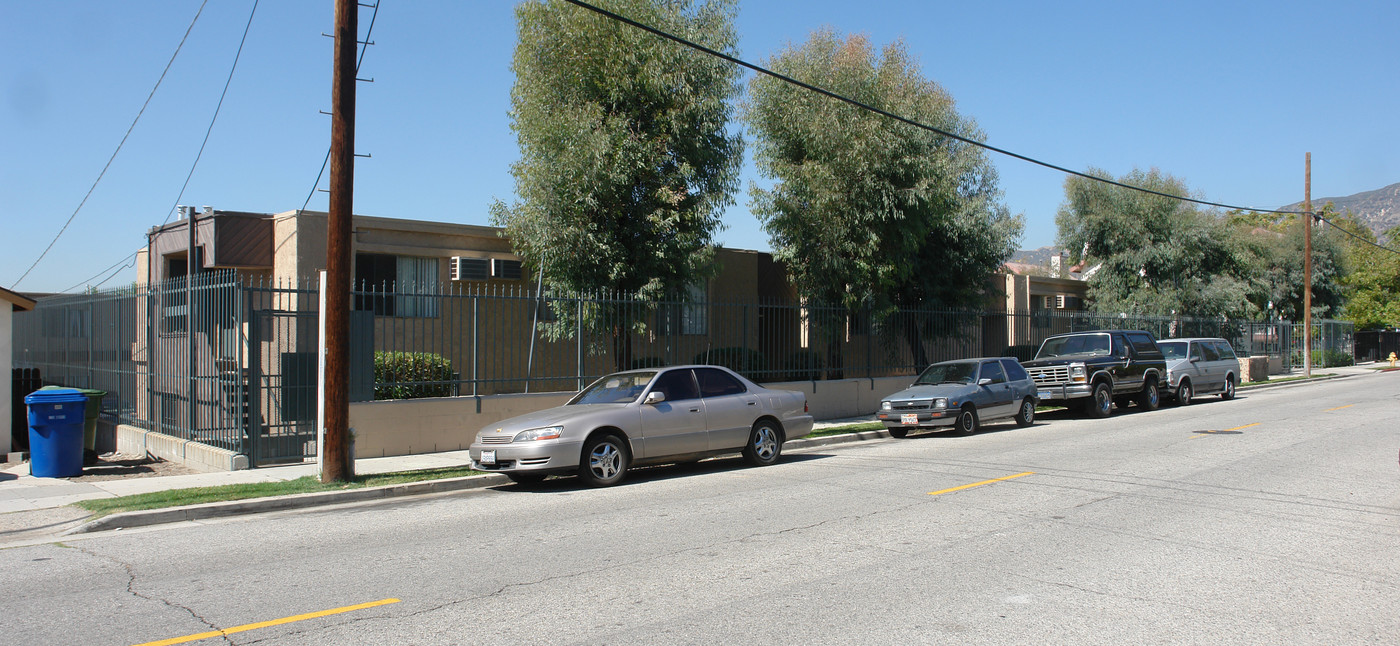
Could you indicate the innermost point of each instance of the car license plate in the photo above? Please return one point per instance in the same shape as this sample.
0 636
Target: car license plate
1044 394
488 457
909 418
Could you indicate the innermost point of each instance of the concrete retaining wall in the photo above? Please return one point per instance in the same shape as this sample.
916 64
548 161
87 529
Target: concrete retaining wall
412 426
190 453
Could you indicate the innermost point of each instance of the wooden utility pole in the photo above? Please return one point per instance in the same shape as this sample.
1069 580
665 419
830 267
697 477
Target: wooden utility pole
335 464
1307 265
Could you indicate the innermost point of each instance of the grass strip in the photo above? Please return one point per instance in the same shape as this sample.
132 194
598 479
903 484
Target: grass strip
306 484
846 428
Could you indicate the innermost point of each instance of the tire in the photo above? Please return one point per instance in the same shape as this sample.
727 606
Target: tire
1026 416
1150 398
967 423
525 477
1184 393
898 432
765 443
1101 405
604 461
1229 392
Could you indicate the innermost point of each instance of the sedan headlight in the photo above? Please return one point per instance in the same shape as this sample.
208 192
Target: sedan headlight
939 403
1076 372
885 405
547 433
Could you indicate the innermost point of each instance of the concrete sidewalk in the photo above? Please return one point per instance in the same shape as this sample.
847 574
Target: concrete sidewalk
21 492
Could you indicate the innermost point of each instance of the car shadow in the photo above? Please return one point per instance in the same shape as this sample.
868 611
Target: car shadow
985 429
654 473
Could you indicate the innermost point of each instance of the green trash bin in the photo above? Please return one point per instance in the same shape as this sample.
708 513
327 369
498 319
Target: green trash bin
90 415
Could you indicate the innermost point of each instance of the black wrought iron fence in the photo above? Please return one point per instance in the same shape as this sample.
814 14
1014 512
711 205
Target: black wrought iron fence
229 359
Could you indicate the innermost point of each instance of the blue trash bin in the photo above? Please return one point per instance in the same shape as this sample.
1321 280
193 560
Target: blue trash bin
56 432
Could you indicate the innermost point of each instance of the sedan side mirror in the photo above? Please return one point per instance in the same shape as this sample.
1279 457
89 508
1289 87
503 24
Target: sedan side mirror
655 397
984 382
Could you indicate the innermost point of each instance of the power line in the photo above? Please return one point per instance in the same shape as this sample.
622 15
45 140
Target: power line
119 145
214 118
368 32
118 266
1318 216
902 119
922 126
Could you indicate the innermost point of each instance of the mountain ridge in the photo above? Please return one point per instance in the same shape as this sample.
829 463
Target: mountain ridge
1378 209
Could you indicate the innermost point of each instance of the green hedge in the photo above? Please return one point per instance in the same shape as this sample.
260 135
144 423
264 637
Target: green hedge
411 375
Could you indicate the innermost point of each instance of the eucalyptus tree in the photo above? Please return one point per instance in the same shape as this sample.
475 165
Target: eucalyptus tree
866 211
1153 254
626 156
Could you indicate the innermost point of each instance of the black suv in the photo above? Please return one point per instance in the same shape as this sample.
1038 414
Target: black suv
1092 370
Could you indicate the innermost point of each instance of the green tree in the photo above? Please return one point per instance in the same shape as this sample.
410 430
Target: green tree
626 161
867 211
1155 255
1373 285
1275 244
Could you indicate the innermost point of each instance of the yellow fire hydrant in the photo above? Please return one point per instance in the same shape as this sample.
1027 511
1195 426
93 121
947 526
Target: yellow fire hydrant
1392 359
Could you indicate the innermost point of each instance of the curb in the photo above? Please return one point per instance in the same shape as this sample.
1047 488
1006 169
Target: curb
1264 385
131 519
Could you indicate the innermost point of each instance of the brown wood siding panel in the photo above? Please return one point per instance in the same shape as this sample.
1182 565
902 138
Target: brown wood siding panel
242 241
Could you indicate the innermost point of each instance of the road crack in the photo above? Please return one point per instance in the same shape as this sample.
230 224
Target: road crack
131 589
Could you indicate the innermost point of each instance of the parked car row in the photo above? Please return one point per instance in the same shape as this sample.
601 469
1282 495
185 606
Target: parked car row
1086 371
685 413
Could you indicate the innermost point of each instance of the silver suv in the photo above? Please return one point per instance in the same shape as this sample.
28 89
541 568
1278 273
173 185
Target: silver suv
1200 366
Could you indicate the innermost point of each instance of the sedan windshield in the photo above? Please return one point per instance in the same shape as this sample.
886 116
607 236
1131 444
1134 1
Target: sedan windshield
621 388
1093 344
942 373
1173 350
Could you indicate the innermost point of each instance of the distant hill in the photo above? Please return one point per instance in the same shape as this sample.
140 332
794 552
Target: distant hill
1039 256
1379 209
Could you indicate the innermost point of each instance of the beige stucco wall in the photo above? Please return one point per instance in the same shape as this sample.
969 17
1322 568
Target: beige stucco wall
413 426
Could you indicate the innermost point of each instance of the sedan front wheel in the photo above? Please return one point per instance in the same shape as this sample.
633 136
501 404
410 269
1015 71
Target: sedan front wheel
604 461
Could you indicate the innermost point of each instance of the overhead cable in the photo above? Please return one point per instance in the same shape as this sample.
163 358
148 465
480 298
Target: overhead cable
119 144
238 54
364 48
890 115
922 126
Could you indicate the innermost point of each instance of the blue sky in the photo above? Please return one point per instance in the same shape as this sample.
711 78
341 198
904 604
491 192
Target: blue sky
1227 96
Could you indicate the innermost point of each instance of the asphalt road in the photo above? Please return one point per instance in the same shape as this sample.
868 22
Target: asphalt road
1269 519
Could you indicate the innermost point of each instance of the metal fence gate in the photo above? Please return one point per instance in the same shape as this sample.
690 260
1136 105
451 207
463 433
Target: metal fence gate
282 386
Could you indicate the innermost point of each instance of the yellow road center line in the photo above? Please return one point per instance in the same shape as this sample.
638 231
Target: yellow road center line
978 484
1245 426
266 624
1200 434
1339 408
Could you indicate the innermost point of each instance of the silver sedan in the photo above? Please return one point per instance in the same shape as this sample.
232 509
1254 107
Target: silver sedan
962 394
644 417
